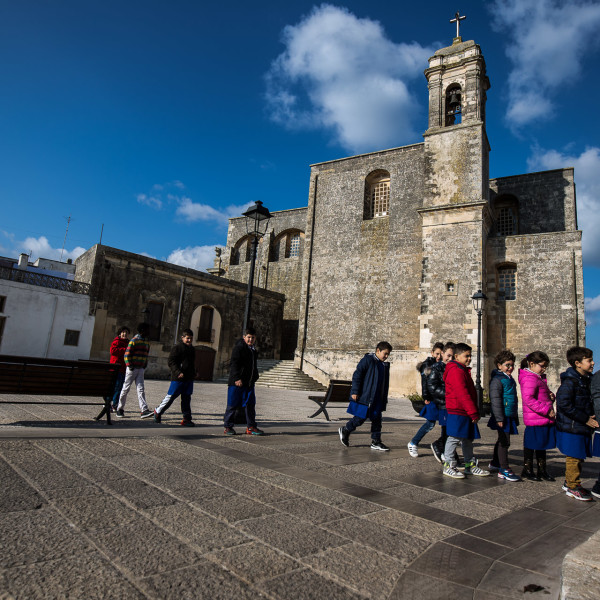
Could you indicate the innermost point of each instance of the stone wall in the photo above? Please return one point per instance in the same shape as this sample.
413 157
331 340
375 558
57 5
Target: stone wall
123 283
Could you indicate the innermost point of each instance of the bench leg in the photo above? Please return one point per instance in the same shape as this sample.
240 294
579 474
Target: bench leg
105 411
322 409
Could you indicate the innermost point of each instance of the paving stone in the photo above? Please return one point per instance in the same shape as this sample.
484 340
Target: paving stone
399 545
416 585
202 580
36 535
416 493
357 506
47 473
301 585
470 508
364 479
87 576
206 533
143 548
139 493
17 494
236 508
509 581
310 510
291 535
369 572
254 562
478 545
422 528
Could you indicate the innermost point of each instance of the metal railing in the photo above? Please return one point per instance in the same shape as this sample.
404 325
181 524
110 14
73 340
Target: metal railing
43 280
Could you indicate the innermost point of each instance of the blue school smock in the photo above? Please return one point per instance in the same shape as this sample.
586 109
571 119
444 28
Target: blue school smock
540 437
430 412
575 445
461 426
509 424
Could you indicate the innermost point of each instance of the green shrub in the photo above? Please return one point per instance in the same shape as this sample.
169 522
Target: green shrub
414 397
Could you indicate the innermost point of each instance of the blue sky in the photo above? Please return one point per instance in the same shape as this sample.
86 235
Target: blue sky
160 119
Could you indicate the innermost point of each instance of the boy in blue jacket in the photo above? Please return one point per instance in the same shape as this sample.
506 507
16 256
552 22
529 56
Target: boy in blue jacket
368 395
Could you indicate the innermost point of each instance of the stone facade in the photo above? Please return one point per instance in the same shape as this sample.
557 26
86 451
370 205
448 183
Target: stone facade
123 284
396 242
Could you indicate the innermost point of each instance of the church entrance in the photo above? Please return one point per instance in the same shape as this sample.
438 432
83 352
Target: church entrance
205 363
289 338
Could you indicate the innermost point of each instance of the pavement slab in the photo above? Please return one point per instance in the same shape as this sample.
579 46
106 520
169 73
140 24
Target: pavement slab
141 510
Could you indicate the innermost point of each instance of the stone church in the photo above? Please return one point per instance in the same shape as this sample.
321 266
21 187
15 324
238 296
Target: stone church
393 244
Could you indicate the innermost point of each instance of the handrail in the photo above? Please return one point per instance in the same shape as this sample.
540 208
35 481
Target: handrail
43 280
317 367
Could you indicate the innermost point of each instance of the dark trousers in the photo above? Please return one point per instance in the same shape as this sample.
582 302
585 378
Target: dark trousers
176 389
501 450
119 381
440 443
423 431
240 396
375 415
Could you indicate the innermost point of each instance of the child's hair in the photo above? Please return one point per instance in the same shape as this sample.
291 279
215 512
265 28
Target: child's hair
250 331
122 329
577 354
450 346
536 358
462 348
187 332
503 356
384 346
439 345
143 329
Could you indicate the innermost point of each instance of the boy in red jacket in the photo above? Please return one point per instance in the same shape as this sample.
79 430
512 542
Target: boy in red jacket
117 357
461 404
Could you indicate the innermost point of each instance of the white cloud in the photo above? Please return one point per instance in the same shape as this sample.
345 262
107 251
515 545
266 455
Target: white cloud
37 248
152 201
592 311
193 257
546 42
342 73
159 191
193 212
587 178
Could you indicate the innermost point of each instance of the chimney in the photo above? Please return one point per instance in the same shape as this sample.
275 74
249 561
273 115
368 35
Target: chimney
23 261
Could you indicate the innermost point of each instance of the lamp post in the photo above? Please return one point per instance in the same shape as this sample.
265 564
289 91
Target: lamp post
256 217
479 299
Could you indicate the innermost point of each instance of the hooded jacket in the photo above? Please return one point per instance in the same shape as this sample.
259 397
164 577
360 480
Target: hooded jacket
535 395
182 359
503 395
365 380
461 397
574 403
117 352
243 365
435 384
425 369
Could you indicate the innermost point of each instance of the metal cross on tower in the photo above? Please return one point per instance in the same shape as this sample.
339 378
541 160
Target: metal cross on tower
457 19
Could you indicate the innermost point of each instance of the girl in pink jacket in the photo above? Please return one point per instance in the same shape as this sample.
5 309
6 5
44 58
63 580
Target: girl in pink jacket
538 415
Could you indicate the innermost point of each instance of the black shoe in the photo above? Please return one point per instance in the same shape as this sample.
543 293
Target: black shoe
437 454
527 472
344 436
187 423
595 491
379 445
541 471
120 413
156 417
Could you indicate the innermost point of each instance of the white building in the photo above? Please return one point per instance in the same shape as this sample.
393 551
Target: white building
43 313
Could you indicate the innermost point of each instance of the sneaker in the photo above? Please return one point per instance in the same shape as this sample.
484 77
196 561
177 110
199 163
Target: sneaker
508 475
254 431
452 472
187 423
156 417
494 468
146 413
565 487
120 413
229 431
413 450
379 445
443 457
579 493
471 468
344 436
595 491
436 453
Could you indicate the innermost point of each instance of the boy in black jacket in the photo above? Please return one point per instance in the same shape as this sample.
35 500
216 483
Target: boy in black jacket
182 362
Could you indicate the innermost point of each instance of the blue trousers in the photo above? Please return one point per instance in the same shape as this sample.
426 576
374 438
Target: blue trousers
423 430
375 415
119 381
183 389
240 396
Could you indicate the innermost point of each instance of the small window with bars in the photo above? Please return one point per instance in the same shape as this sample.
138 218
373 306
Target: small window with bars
507 283
507 224
380 198
294 245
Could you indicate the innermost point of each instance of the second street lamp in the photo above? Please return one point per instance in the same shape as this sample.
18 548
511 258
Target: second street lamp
479 299
257 222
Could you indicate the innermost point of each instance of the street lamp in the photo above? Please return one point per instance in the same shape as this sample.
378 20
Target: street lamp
257 221
479 299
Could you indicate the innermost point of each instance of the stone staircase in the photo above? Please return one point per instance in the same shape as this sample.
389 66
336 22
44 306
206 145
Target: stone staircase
282 374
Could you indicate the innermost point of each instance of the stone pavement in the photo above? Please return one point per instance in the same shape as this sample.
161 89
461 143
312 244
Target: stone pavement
141 510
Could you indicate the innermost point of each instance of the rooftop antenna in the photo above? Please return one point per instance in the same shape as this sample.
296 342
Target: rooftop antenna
65 240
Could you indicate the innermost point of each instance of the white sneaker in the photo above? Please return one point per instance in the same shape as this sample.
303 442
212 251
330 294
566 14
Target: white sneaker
472 469
452 472
412 450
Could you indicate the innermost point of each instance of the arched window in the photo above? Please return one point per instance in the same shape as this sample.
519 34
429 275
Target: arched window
377 195
453 105
242 251
287 244
507 282
506 208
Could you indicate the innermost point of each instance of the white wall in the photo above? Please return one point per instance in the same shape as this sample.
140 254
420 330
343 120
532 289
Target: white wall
37 318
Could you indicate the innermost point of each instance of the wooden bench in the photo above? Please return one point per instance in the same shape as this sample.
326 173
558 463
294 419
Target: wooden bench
53 377
338 391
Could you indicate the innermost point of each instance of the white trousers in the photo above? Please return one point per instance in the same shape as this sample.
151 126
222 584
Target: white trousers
132 375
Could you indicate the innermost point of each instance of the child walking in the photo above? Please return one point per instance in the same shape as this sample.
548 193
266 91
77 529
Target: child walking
429 411
538 415
463 414
504 419
574 419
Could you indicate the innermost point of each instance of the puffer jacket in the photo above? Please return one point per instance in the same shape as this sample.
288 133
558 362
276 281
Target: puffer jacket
435 384
461 396
117 352
535 395
503 395
574 403
425 369
595 388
